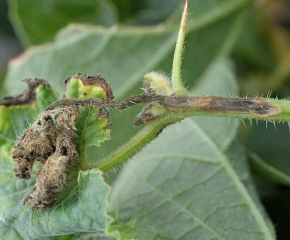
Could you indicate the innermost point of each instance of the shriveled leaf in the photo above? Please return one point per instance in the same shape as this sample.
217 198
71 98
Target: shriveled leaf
193 178
37 22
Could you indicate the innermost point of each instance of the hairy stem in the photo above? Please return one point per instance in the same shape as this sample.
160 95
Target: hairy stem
181 107
148 133
254 108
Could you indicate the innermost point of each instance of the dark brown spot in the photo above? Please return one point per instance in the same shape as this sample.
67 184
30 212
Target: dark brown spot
63 151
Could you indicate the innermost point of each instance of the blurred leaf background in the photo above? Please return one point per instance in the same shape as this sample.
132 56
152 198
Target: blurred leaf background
260 57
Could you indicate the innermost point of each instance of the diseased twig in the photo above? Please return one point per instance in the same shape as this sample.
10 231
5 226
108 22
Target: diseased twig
259 107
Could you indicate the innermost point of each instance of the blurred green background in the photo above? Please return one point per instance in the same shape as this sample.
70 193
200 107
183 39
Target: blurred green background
260 57
9 44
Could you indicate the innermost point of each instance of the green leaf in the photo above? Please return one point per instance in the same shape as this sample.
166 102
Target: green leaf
125 231
238 160
123 55
37 22
81 210
197 177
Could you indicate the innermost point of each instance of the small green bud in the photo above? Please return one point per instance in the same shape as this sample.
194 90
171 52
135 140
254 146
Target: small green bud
157 83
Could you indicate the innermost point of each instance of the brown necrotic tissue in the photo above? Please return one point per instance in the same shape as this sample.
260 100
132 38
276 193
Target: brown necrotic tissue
51 141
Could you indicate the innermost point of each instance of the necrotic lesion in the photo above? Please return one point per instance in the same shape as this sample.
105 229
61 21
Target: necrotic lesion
256 106
50 140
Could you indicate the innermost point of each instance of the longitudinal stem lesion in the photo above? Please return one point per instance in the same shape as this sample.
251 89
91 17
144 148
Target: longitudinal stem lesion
258 108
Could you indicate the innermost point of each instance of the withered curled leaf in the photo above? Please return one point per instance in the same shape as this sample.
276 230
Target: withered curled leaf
51 141
52 178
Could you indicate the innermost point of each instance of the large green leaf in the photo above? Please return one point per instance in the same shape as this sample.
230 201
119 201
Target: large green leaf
38 21
123 55
192 182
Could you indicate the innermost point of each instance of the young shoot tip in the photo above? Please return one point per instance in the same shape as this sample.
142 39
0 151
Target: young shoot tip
178 53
